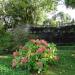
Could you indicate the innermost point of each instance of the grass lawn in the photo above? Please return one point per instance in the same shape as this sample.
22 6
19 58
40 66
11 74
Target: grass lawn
66 65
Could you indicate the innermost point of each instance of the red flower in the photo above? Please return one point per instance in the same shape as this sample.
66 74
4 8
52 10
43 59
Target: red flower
15 54
44 42
24 60
56 58
41 49
33 40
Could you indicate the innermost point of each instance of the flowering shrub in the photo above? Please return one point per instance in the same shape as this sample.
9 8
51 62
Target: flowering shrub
35 55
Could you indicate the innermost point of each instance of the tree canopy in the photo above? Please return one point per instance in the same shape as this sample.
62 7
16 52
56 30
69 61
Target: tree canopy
70 3
59 18
26 11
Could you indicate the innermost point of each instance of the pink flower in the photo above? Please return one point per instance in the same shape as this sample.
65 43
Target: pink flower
41 49
33 40
44 42
15 54
24 60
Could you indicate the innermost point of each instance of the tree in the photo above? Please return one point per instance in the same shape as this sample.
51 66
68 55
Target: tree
70 3
58 19
26 11
64 18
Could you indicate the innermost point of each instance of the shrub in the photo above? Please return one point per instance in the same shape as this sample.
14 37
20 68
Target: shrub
35 55
10 39
19 36
5 42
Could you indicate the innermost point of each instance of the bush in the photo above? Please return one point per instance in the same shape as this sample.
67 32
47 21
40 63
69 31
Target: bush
36 55
10 39
5 39
5 42
19 37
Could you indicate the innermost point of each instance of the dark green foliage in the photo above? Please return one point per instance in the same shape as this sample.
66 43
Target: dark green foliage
70 3
5 42
11 40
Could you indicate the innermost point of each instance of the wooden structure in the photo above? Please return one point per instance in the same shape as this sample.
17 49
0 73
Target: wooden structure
63 34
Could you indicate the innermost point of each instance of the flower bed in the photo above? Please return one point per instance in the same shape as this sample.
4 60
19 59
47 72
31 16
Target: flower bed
36 55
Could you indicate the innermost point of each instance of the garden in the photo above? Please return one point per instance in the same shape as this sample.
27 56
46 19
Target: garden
65 64
33 55
33 44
